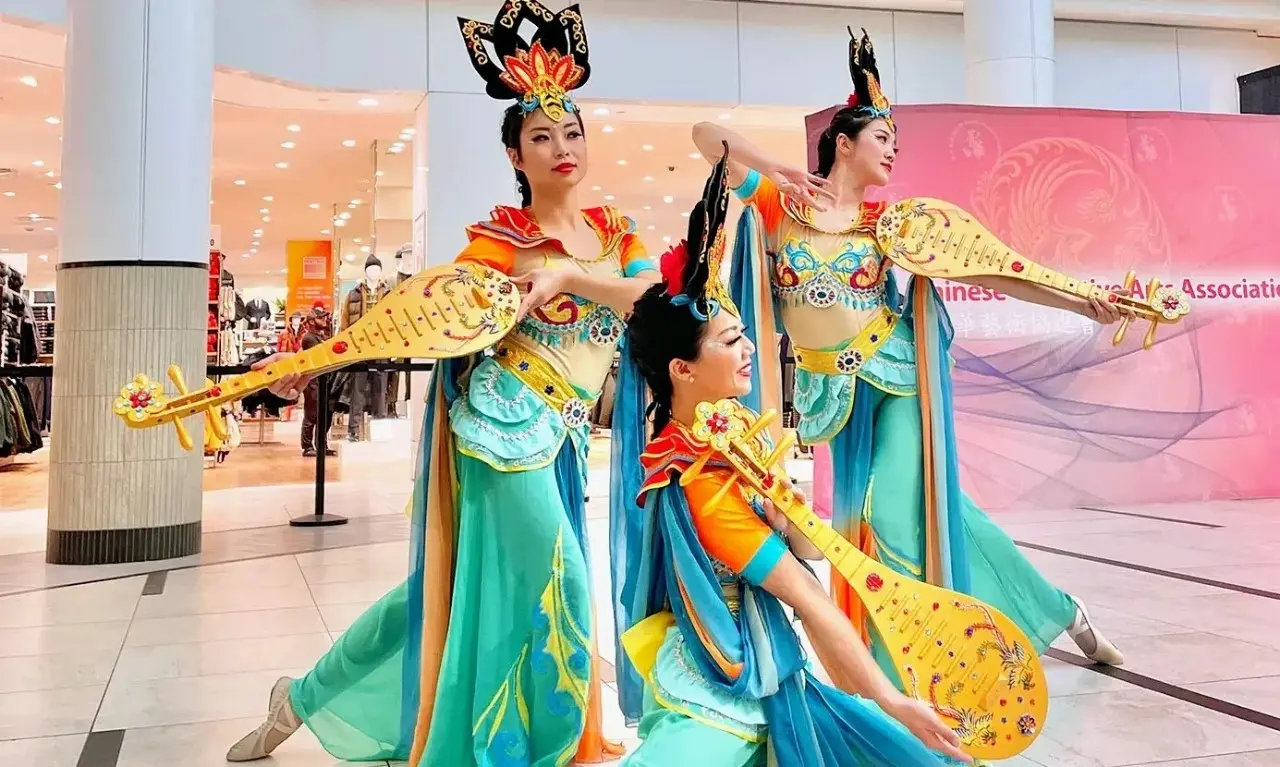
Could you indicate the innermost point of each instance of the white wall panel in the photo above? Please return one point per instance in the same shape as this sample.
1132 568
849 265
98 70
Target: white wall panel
1210 60
1116 66
930 58
798 55
329 44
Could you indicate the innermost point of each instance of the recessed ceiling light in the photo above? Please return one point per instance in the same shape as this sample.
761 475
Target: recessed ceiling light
266 219
295 128
38 163
239 182
648 178
684 214
357 201
607 129
726 116
378 174
44 256
352 206
622 162
253 251
29 81
350 257
326 231
406 137
255 243
287 145
349 142
48 228
344 215
284 271
340 222
652 227
666 238
269 198
601 111
264 211
244 255
10 194
647 147
257 232
356 240
365 249
610 197
695 155
668 199
282 165
648 207
595 188
396 149
314 206
368 102
409 131
59 186
53 120
33 216
50 174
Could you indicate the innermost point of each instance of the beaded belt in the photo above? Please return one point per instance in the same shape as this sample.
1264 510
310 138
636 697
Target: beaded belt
545 381
850 358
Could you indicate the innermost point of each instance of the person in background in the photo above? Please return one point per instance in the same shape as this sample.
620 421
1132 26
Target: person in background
291 336
311 428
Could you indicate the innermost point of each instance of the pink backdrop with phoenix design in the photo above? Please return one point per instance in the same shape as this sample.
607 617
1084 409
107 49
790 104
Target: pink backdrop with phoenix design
1049 414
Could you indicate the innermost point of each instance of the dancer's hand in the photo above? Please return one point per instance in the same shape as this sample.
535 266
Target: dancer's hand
802 185
288 386
926 725
777 520
1107 313
539 286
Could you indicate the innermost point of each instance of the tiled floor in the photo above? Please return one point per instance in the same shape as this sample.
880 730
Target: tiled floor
185 672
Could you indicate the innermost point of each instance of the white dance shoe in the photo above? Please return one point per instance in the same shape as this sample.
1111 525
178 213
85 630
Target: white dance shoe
281 722
1091 642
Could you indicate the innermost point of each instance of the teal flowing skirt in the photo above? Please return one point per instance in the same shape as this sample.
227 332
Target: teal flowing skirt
517 661
878 470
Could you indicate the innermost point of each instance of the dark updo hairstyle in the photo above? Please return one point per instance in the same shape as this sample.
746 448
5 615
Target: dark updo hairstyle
512 124
849 121
661 329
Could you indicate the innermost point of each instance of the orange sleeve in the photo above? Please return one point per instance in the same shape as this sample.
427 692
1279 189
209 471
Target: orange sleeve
730 530
490 252
635 257
761 193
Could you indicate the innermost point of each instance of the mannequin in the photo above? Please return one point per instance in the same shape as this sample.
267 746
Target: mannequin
258 313
368 390
404 270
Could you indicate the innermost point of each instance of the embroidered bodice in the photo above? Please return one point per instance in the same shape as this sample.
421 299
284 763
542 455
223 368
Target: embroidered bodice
578 337
829 284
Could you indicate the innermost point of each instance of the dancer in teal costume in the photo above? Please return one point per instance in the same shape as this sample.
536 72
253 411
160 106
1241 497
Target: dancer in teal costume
486 654
724 676
810 237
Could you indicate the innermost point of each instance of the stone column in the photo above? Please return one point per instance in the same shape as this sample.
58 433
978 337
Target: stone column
1008 52
132 282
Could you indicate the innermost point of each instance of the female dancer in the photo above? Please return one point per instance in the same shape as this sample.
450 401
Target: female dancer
856 365
724 674
486 655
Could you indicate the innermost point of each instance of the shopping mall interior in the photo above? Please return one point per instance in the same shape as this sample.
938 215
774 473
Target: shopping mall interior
1141 492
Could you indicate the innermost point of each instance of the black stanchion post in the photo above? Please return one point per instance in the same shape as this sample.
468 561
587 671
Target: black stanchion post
319 518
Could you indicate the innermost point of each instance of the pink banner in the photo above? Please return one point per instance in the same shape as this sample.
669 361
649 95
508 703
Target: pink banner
1049 413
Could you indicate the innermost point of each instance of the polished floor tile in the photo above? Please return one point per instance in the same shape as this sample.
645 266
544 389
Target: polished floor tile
42 713
229 656
219 626
57 751
186 700
204 745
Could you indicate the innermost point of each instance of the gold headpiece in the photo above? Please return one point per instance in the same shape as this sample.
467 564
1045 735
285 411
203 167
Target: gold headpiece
539 73
867 95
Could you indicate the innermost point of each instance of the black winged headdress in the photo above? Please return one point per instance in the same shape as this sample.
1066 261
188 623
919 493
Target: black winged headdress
538 73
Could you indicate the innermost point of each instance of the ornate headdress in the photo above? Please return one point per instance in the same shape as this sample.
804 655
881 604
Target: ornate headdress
692 268
867 96
539 73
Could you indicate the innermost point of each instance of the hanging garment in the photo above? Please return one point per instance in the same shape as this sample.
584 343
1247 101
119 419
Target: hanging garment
19 425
